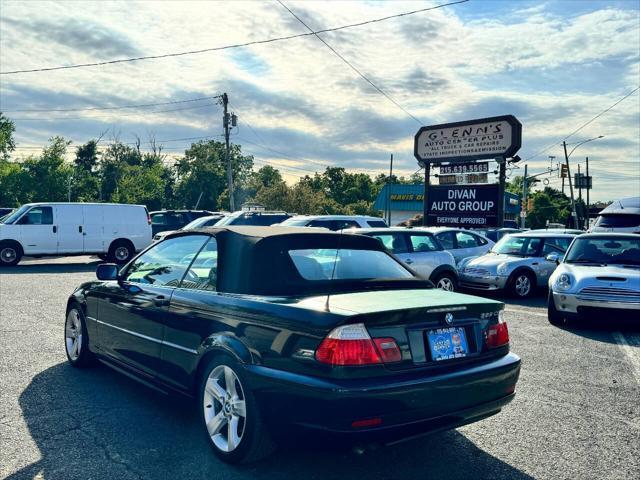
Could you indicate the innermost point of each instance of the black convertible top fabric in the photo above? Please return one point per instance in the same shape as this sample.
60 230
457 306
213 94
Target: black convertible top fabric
255 260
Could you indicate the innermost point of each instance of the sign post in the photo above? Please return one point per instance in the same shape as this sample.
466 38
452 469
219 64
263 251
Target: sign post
464 142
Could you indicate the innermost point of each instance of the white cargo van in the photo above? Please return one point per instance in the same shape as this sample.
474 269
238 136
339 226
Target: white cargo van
112 231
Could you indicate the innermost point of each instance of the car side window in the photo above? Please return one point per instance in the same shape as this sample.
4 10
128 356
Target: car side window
395 243
203 272
466 240
533 246
38 216
376 223
159 219
446 239
480 240
165 263
320 223
423 243
344 224
555 245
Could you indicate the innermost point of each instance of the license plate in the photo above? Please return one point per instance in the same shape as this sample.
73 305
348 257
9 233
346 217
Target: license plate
447 343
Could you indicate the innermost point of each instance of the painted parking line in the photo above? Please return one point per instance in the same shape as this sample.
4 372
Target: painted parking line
526 311
632 353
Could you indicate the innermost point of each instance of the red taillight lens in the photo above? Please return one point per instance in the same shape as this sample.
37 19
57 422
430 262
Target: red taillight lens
348 345
497 335
388 349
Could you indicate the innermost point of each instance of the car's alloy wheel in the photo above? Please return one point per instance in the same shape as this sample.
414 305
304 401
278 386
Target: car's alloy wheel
76 339
73 335
445 283
522 285
230 414
224 408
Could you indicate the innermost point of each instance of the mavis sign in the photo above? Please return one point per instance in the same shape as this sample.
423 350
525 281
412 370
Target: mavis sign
471 140
463 206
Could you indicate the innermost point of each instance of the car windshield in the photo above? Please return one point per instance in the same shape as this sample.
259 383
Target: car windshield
605 251
12 217
317 264
519 246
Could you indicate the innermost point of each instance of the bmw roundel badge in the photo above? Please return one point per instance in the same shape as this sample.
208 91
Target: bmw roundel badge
449 318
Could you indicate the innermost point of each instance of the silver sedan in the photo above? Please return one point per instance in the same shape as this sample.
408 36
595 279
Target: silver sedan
516 264
599 274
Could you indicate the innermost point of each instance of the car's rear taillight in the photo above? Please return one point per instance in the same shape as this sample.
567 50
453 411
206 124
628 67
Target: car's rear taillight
388 349
352 345
497 334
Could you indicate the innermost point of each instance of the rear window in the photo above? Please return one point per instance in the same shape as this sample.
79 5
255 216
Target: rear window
346 264
376 223
619 220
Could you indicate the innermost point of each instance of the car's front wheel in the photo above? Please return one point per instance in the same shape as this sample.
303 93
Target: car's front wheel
76 339
521 285
230 414
10 253
446 281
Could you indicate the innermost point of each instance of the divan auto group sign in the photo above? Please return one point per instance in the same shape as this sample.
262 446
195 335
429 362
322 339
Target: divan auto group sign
463 206
471 140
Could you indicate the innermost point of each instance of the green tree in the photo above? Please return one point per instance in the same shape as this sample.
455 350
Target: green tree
7 143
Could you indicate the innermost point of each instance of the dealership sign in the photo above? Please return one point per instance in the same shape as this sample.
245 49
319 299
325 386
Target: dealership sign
494 137
463 205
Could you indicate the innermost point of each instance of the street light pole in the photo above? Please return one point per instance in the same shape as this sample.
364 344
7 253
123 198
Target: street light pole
573 203
566 158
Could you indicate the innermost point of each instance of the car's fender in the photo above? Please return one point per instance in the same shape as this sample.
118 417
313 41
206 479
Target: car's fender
523 268
440 269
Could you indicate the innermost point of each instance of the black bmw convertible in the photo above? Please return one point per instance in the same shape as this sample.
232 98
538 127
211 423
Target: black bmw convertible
271 328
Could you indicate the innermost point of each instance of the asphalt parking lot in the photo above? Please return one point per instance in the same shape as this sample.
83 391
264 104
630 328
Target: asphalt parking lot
576 414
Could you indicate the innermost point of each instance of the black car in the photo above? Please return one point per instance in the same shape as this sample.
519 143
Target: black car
272 328
164 220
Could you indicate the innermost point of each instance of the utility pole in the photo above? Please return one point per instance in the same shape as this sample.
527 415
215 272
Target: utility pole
225 121
588 188
389 191
579 184
425 197
573 203
502 180
524 212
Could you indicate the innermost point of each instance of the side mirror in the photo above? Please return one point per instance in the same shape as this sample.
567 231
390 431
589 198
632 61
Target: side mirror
553 257
107 271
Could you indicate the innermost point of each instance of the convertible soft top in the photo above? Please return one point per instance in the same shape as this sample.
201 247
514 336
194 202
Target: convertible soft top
255 260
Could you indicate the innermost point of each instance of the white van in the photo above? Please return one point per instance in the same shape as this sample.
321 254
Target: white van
622 216
112 231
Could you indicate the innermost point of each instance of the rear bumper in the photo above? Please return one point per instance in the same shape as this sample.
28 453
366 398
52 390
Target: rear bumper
406 405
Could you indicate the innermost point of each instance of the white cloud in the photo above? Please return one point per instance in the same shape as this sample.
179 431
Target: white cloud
305 102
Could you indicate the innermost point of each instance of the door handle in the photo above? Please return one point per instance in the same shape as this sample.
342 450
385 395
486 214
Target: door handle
161 301
55 229
408 261
80 228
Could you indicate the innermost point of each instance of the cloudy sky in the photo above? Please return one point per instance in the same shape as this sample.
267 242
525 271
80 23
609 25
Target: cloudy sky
554 65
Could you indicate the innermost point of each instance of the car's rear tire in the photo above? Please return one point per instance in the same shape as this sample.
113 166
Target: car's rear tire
76 339
230 415
10 253
121 251
553 315
521 285
446 281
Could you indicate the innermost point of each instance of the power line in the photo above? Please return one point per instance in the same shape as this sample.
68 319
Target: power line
48 119
550 146
139 105
236 45
391 99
